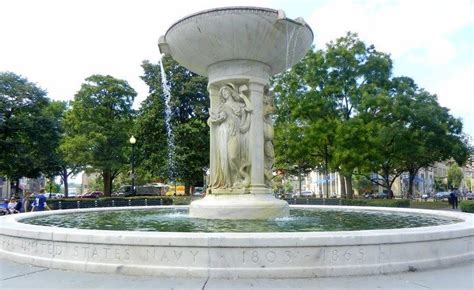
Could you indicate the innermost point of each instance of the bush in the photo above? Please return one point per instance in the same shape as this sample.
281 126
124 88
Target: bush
467 206
69 203
389 202
429 204
181 200
358 202
377 202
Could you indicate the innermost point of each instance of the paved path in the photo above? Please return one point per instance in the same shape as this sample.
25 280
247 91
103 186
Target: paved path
19 276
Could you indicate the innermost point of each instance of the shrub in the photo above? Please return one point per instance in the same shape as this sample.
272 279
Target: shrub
377 202
181 200
359 202
429 204
467 206
389 202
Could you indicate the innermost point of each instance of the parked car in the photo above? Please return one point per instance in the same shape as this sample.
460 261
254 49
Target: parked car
381 195
294 194
307 193
92 194
442 195
54 195
470 196
198 191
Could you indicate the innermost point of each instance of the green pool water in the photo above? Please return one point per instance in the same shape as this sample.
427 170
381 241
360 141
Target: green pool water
177 220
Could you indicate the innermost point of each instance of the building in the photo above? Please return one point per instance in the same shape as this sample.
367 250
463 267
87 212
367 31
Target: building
5 189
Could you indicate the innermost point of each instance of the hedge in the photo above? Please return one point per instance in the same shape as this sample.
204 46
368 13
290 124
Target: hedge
377 202
467 206
69 203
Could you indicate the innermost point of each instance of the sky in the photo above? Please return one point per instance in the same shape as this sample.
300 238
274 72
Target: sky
57 44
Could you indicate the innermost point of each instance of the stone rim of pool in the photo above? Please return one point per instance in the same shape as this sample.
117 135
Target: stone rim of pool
240 255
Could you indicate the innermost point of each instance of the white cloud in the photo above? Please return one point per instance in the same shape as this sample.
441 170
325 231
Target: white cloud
456 93
395 26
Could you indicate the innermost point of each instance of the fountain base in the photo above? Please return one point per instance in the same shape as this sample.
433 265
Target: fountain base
239 206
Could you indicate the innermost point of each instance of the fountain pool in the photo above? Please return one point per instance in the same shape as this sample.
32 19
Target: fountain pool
244 254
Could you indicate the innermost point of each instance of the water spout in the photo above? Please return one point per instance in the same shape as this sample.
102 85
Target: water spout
169 131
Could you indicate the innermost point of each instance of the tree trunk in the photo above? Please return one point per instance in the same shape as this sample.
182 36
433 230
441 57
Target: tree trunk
326 183
388 186
342 181
107 174
411 179
349 191
17 188
65 181
299 180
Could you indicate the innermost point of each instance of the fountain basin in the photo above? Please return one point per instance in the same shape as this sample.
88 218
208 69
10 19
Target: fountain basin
240 255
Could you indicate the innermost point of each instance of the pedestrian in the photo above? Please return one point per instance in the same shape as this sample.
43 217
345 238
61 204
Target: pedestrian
39 204
25 202
453 197
13 205
4 207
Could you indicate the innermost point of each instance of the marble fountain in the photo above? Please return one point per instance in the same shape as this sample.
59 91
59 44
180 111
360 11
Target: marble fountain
239 49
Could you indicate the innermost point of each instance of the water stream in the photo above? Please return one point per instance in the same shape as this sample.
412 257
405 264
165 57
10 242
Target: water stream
169 129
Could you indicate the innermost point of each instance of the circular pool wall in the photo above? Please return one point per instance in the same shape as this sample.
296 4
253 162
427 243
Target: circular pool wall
240 255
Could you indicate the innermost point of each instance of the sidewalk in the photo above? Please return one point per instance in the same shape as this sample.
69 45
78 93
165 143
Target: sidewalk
19 276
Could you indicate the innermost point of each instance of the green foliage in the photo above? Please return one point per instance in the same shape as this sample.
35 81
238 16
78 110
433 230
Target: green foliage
467 206
389 202
28 130
69 203
319 101
362 184
439 184
377 202
189 102
455 176
99 126
181 200
355 202
430 204
52 186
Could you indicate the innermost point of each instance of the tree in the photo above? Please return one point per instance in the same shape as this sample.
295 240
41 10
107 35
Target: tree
439 184
189 112
28 133
354 71
324 93
99 127
455 176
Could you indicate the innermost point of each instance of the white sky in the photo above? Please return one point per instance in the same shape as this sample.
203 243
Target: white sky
57 44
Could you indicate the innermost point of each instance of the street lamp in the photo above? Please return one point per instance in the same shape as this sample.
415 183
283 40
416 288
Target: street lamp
133 141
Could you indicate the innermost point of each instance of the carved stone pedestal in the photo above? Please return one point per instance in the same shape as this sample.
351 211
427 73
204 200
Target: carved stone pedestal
239 206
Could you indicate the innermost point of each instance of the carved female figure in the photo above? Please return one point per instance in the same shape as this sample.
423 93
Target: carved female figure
230 124
268 133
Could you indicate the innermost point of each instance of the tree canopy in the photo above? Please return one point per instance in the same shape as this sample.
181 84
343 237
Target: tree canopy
189 112
28 129
99 127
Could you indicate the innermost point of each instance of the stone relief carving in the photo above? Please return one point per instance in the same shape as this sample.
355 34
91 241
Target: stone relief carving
230 123
268 133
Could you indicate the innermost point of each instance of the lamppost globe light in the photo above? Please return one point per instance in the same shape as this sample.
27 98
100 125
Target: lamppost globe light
132 161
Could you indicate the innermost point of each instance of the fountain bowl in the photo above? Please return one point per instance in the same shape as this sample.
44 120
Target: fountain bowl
260 35
239 255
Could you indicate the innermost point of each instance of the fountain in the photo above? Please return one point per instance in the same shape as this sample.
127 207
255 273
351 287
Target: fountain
238 48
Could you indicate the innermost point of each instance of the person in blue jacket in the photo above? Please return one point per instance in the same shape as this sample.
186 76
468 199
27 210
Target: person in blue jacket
39 204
